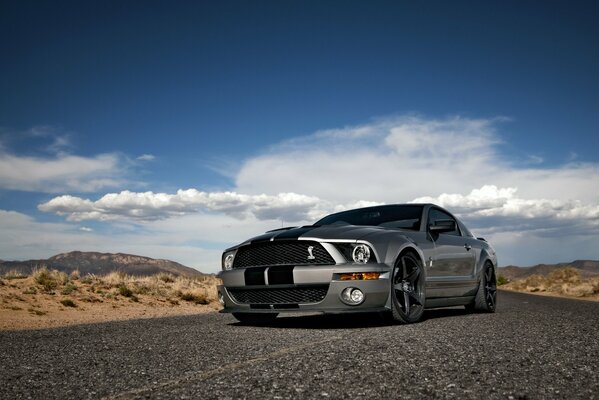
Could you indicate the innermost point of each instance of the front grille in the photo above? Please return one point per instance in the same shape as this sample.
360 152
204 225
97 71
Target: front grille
282 253
296 295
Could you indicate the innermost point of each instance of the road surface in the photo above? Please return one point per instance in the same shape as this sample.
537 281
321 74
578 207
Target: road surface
533 348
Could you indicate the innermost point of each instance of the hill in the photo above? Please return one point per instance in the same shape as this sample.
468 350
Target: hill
586 268
101 264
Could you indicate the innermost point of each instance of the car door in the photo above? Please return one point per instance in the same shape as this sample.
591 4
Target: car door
453 254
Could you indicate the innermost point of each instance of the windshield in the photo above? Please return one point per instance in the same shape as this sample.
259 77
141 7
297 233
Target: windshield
394 216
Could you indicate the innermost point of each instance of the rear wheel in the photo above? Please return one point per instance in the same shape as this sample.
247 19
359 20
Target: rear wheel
407 290
486 297
255 318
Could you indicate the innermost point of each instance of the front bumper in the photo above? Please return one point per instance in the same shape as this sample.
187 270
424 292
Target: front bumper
376 291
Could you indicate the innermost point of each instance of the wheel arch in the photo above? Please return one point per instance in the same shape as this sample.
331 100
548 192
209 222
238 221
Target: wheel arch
486 257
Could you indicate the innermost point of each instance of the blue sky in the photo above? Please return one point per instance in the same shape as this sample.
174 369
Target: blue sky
223 97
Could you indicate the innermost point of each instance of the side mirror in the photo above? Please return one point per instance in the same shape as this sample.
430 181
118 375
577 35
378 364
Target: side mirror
442 226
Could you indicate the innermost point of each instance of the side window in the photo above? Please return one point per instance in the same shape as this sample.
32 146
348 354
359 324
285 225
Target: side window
435 215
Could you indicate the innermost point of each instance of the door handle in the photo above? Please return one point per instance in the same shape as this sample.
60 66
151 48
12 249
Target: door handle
467 246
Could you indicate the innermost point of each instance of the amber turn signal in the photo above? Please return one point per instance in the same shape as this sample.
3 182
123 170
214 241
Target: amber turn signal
360 276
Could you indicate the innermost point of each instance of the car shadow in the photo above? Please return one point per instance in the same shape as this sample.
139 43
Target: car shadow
348 321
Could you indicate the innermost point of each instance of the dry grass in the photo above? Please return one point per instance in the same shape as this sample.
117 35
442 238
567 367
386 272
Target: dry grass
49 295
564 282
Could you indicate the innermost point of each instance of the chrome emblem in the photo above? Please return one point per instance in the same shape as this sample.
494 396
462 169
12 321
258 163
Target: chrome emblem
310 255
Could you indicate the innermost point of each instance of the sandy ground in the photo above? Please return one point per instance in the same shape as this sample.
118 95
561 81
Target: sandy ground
20 309
550 294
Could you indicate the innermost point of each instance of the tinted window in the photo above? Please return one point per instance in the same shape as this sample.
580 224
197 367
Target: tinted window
403 217
435 215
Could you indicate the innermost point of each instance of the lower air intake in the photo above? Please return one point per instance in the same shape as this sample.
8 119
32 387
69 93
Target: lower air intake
297 295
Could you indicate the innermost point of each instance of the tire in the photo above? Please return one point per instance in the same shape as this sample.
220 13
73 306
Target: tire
407 289
486 296
255 318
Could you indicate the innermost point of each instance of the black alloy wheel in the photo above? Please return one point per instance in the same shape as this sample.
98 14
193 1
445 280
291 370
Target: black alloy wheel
407 291
486 297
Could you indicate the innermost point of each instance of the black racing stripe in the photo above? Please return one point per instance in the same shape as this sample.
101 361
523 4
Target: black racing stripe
280 275
294 233
254 276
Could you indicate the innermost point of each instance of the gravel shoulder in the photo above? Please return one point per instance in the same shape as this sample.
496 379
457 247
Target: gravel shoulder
534 347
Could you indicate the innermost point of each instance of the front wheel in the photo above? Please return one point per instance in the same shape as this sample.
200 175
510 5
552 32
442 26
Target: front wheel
486 297
407 290
255 318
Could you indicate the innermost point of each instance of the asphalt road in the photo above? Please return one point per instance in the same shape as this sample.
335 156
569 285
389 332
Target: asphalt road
534 347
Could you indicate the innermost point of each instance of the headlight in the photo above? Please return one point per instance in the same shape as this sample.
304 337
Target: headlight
356 252
361 254
228 260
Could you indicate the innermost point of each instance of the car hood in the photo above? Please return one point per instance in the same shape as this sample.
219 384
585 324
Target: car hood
327 232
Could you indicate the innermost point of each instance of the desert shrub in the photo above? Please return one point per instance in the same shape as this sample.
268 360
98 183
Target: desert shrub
166 278
125 291
13 274
579 289
143 288
68 288
502 280
75 275
44 278
68 303
87 279
198 298
115 279
36 312
565 275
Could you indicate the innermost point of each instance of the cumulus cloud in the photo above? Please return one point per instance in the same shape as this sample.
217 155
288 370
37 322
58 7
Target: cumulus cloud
61 173
149 206
399 159
492 209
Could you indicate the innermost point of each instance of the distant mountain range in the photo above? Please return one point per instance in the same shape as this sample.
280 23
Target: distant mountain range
101 264
586 268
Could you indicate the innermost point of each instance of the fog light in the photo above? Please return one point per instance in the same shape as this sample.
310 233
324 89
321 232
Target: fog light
357 296
352 296
221 298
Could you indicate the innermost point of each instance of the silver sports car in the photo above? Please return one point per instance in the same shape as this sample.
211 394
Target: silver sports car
395 259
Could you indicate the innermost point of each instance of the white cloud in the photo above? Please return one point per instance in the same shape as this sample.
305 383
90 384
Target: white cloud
400 159
146 157
61 173
493 210
86 229
149 206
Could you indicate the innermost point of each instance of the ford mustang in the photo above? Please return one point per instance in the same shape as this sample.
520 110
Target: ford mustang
393 259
